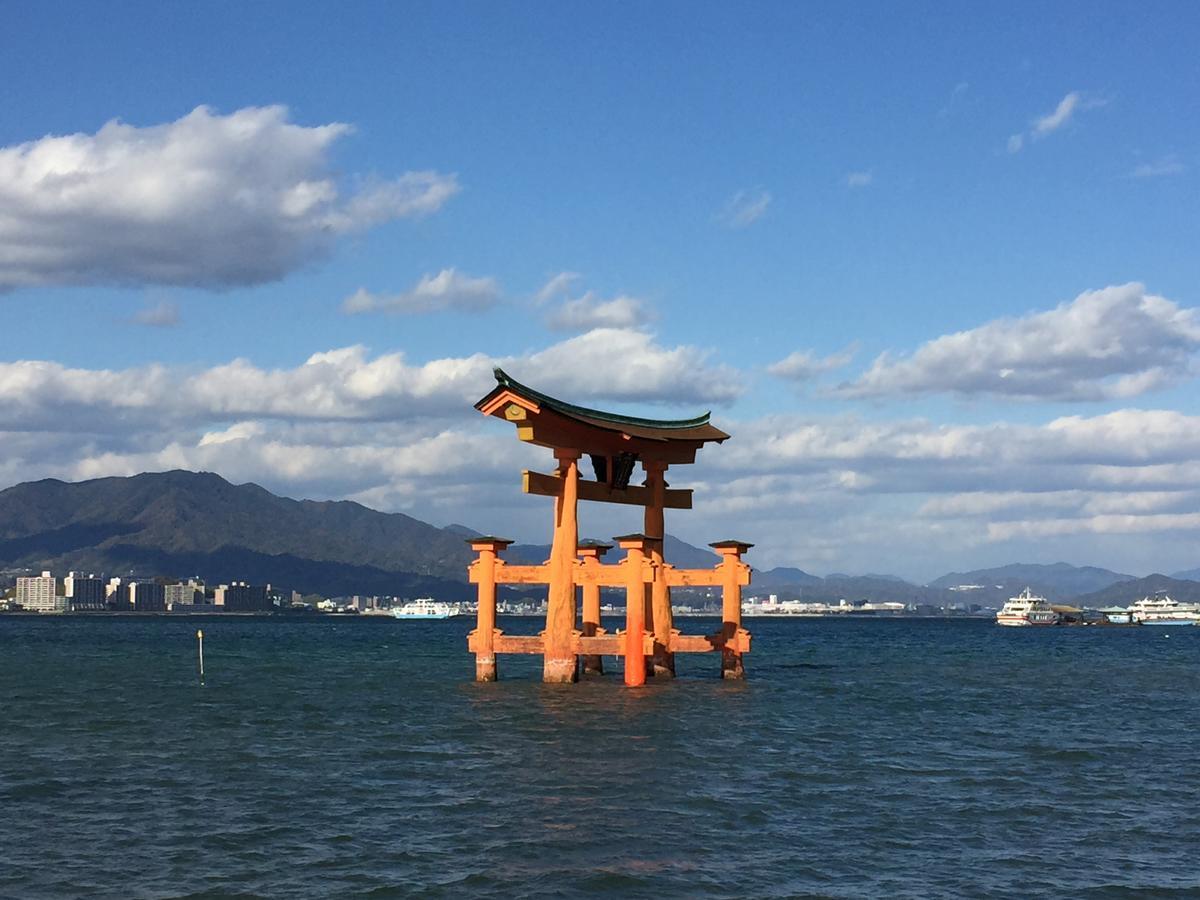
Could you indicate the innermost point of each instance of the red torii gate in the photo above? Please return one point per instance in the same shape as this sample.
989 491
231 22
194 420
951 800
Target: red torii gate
615 444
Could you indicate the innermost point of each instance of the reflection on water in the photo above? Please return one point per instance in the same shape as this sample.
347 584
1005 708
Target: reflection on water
355 758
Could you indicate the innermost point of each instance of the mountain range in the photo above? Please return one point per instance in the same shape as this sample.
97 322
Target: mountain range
182 523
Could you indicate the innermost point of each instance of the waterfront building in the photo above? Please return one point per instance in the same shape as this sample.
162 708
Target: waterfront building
242 597
39 593
118 595
177 595
146 596
84 592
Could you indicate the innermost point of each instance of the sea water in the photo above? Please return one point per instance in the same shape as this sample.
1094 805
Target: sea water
342 757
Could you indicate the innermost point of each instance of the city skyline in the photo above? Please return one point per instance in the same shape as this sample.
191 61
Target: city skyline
939 283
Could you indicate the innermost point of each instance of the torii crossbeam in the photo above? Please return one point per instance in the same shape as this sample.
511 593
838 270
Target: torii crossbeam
615 444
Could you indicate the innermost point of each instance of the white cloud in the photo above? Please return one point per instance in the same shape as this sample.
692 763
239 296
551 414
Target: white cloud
804 365
163 314
1055 120
825 493
622 364
347 384
1161 167
860 179
1052 121
556 286
208 200
1110 524
745 208
590 311
1113 343
447 290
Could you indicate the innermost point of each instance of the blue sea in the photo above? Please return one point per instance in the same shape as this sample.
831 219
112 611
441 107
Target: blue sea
356 758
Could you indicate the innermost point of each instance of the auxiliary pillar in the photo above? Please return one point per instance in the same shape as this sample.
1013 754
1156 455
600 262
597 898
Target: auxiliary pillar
734 573
483 573
591 553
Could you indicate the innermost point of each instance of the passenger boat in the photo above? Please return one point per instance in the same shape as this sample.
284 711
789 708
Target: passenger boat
1026 609
1160 609
425 608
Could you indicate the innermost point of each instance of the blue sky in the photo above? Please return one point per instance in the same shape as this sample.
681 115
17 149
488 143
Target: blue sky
716 190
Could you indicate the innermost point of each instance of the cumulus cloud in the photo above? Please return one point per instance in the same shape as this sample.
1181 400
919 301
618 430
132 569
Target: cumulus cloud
838 491
745 208
590 311
620 364
1113 343
860 179
347 384
447 290
208 200
804 365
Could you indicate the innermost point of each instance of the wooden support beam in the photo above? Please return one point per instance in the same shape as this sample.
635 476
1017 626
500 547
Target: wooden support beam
693 577
634 495
611 644
506 574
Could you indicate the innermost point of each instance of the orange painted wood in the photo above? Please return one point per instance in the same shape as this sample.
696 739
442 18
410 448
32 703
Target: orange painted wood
548 429
560 663
506 574
693 577
502 400
484 570
611 644
519 643
635 612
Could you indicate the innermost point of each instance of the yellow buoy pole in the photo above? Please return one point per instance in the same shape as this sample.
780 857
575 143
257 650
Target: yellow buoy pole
200 647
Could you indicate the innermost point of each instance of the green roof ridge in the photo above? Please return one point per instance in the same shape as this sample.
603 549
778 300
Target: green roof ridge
507 381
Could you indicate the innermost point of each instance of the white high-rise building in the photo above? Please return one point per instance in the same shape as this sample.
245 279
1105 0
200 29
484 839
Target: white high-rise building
181 595
39 593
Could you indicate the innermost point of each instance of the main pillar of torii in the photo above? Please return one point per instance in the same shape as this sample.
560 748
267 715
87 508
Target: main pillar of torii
614 444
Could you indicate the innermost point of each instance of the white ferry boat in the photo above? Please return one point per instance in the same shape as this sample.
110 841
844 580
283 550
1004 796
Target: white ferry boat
1026 609
1160 609
425 608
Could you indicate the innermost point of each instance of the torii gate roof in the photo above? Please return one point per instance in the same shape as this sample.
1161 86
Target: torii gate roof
550 422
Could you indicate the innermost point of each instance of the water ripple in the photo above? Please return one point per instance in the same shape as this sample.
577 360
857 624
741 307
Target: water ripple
356 759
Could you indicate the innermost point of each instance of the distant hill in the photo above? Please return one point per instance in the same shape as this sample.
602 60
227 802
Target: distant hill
1059 581
182 523
196 523
784 576
1183 590
1189 575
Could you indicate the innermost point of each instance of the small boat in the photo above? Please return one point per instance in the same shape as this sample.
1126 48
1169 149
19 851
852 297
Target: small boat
1116 615
425 608
1027 609
1160 609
